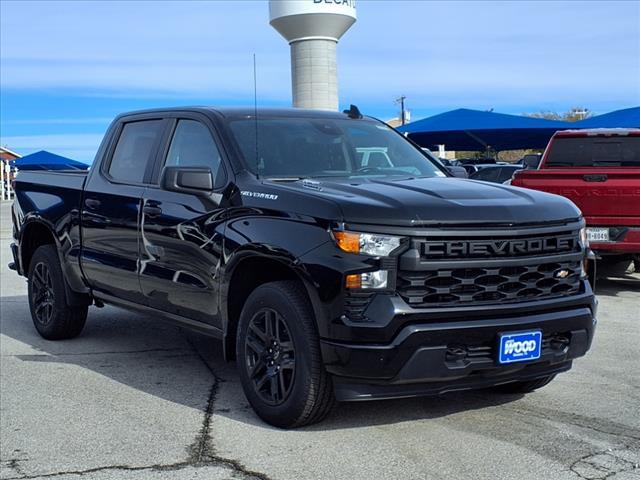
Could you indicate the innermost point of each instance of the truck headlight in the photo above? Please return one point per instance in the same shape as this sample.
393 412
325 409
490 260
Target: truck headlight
584 243
584 238
366 243
377 279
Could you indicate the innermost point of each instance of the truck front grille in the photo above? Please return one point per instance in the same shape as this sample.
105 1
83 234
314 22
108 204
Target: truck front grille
461 267
479 285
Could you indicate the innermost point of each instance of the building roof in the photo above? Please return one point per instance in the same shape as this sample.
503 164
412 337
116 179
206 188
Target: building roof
10 152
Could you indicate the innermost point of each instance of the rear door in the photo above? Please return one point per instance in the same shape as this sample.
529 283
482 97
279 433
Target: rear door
111 209
182 233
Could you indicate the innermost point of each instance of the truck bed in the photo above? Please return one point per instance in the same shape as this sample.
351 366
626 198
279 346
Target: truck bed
58 192
53 197
599 171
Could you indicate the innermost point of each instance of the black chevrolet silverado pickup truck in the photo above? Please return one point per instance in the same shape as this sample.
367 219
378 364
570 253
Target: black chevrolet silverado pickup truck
331 257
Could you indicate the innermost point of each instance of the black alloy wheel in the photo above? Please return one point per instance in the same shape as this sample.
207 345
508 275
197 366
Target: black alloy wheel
43 294
270 356
279 357
54 317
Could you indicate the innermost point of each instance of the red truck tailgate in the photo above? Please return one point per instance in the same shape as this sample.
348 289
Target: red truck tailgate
606 196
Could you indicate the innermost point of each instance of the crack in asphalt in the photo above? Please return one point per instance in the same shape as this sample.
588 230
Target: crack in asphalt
202 447
14 464
158 467
202 452
591 467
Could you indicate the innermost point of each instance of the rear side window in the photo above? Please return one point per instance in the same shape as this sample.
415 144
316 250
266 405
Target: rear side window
613 151
134 150
193 146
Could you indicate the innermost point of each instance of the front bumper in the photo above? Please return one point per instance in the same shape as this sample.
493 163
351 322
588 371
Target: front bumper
434 357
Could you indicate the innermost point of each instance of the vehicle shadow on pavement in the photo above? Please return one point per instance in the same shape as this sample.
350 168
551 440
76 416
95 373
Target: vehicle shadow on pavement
167 362
612 286
134 350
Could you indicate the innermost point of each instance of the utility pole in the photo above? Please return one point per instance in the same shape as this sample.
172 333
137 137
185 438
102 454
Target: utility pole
403 117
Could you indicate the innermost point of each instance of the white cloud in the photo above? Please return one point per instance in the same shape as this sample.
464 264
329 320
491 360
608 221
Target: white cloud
446 54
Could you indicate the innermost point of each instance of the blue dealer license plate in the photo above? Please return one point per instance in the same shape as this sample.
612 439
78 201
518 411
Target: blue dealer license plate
519 347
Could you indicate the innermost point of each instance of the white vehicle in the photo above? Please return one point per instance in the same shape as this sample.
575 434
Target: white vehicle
374 157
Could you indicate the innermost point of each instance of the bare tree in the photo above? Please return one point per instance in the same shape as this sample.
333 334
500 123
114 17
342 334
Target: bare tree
574 114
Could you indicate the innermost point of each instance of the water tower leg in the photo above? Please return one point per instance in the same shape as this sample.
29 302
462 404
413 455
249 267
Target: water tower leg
314 75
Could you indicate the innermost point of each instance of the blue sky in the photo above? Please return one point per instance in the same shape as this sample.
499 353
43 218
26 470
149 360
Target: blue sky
66 68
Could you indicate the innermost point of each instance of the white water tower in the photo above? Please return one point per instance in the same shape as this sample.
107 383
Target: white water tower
313 28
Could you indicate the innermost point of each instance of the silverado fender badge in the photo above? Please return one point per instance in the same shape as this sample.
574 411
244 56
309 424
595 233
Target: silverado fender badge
266 196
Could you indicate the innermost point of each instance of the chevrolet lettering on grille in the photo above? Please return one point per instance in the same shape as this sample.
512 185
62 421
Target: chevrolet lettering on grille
492 248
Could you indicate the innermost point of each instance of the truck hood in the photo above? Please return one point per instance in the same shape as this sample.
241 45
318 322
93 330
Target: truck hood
426 201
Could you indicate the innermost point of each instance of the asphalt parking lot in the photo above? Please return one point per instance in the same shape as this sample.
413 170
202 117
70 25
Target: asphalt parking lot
134 398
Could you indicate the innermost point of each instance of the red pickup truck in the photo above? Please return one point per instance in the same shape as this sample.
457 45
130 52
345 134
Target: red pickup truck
599 170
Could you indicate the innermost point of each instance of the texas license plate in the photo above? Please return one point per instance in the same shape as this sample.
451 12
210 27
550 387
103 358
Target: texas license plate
520 347
598 234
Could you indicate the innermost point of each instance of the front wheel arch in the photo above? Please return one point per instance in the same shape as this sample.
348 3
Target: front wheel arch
248 274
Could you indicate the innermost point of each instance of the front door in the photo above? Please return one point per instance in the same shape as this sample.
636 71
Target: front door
181 234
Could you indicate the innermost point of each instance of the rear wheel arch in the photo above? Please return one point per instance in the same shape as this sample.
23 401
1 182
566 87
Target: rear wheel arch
248 274
34 235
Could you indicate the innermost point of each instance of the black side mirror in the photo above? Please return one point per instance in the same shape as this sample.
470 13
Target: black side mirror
457 171
195 180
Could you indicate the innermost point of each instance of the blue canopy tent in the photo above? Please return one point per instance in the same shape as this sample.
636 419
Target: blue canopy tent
44 160
625 118
465 129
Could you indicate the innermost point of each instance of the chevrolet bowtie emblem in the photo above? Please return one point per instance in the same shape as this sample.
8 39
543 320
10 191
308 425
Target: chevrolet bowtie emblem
564 273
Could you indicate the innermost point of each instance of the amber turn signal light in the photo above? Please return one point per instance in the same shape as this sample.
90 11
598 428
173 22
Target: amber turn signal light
353 281
348 242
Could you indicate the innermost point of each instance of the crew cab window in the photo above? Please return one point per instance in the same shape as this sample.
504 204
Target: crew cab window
614 151
193 146
133 152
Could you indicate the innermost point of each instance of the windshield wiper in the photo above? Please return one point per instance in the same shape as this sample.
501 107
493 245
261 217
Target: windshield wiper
285 179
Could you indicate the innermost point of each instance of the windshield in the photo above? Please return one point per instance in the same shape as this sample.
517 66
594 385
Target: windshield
317 147
614 151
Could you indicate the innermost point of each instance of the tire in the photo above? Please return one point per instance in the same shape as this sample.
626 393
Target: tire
285 382
52 316
524 387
